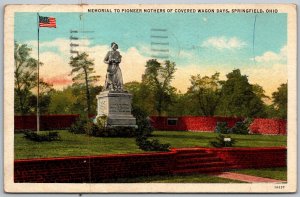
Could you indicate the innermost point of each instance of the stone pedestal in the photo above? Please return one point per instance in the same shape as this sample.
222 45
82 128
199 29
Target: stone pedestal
117 107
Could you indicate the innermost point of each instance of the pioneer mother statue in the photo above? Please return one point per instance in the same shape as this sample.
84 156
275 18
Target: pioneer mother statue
114 80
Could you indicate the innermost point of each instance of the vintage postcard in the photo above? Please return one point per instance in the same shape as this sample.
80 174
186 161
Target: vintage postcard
150 98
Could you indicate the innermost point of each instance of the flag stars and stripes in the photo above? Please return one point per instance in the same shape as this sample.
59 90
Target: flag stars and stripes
47 22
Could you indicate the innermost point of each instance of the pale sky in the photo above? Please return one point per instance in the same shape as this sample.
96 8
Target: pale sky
198 44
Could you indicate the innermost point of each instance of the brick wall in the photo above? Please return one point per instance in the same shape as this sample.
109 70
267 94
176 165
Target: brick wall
100 168
208 124
242 158
184 123
92 168
47 122
191 123
269 126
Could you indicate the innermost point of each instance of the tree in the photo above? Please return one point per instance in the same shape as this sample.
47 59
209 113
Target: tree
26 81
71 100
238 97
25 77
82 66
260 92
158 78
280 100
204 92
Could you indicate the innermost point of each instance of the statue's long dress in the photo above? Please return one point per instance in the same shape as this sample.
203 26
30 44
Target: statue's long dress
114 79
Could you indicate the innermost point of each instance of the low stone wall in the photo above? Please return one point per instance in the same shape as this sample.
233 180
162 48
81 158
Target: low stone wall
92 168
242 158
208 124
100 168
184 123
47 122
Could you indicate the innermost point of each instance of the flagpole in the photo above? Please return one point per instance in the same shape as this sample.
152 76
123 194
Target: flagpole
38 79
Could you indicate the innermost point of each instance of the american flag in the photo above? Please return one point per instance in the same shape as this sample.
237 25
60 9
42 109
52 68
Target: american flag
47 21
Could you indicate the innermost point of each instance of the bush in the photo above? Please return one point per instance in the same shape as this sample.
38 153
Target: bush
222 128
151 145
79 126
142 121
41 137
241 127
223 141
99 128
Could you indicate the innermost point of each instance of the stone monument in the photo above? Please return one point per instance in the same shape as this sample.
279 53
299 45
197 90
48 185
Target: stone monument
114 102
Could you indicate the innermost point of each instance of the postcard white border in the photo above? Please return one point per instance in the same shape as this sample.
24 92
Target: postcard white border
10 186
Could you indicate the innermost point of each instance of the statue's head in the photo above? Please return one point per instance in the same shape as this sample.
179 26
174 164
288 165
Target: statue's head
114 46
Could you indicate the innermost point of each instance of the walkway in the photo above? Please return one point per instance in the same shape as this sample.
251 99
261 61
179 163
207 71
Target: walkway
247 178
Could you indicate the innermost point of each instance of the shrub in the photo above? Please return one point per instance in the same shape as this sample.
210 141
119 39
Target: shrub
142 121
79 126
114 132
99 127
241 127
223 141
41 137
222 128
151 145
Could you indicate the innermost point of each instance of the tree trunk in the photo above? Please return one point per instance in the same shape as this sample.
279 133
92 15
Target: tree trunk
87 92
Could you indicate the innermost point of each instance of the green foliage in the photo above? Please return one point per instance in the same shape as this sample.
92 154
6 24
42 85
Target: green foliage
151 145
142 121
26 80
72 100
79 126
158 78
280 98
222 128
223 141
242 127
238 97
205 94
83 67
41 137
99 129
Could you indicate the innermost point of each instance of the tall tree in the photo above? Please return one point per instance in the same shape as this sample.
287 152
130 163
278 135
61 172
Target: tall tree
26 82
158 77
238 97
204 92
83 69
280 100
25 77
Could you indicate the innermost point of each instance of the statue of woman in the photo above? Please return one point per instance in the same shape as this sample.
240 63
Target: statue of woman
114 80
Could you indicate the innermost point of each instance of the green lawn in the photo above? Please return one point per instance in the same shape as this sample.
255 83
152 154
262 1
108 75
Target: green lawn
273 173
190 139
80 144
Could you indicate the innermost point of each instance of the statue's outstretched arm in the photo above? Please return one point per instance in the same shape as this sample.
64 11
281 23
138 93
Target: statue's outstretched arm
106 59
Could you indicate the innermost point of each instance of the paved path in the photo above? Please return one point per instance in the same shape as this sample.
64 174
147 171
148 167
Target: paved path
247 178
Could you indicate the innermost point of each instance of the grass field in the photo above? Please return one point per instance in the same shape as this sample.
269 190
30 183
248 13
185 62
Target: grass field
80 144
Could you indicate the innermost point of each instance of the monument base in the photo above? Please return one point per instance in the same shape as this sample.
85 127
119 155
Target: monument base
116 106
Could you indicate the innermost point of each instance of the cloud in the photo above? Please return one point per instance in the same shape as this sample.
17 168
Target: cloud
56 68
223 42
269 77
271 56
